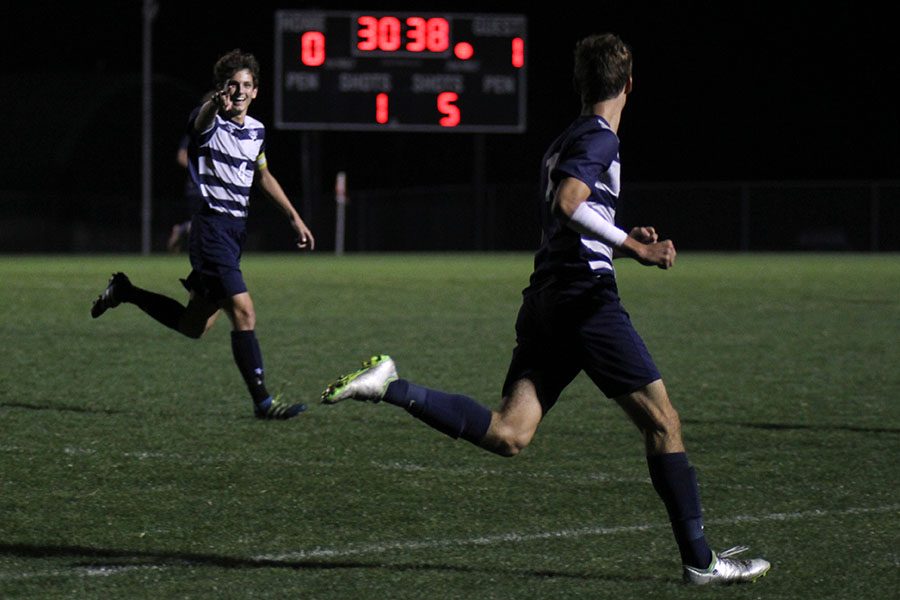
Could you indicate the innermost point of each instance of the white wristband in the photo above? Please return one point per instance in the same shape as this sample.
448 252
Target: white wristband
587 221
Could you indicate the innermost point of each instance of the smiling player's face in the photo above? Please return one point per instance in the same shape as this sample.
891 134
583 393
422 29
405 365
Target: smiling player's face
241 92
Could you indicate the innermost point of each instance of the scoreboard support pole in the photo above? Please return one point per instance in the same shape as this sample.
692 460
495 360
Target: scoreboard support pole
340 200
149 15
310 172
479 190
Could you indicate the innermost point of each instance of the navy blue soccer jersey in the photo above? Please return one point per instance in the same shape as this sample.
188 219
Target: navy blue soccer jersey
588 151
223 161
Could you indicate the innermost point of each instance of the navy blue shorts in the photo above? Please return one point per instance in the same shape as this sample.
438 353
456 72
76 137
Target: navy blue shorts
563 329
215 250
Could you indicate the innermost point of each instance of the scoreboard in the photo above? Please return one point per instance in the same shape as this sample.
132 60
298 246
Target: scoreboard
400 71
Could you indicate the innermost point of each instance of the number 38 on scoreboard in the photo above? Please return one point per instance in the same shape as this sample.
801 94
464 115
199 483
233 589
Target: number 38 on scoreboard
400 71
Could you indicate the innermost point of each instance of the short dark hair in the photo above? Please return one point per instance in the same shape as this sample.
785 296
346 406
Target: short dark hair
602 67
235 61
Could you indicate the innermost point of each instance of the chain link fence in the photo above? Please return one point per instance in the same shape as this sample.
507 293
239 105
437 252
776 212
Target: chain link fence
859 216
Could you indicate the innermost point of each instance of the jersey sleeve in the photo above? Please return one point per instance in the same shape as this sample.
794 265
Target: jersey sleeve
200 138
589 155
261 162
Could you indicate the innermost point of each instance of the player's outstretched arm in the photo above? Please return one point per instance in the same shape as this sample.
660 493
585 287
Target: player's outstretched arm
273 190
207 114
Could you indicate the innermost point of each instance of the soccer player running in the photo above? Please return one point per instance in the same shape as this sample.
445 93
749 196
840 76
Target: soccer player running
571 320
227 148
191 195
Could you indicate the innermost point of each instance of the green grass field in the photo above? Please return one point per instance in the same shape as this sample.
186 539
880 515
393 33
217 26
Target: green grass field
131 467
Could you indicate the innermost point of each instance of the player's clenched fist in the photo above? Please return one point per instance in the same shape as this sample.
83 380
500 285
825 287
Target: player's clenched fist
645 235
661 254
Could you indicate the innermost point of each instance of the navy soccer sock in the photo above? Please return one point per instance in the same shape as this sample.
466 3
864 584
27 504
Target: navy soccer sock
676 483
248 358
162 308
452 414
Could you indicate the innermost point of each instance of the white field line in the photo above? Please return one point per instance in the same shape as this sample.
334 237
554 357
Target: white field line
400 466
98 571
428 544
515 537
501 538
408 467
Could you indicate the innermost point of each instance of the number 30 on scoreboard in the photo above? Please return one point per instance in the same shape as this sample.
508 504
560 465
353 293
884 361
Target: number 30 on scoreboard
400 71
386 34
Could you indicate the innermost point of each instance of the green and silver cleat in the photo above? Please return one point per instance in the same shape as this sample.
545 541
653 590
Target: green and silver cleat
366 384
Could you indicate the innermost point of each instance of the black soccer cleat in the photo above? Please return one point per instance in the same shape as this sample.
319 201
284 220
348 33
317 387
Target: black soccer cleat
273 409
112 295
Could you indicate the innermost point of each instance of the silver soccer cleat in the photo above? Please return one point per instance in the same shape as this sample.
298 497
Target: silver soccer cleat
368 383
726 570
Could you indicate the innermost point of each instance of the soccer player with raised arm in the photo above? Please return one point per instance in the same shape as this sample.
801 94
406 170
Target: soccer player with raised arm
227 155
572 320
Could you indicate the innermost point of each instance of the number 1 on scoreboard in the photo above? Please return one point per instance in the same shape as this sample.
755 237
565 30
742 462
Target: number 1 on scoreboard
381 108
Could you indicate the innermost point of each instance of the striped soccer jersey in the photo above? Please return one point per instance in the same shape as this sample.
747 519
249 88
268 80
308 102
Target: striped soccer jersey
587 150
223 161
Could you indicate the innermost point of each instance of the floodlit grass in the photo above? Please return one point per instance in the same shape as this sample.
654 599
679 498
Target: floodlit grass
131 467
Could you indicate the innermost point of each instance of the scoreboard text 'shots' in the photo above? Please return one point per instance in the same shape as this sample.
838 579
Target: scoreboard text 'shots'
400 71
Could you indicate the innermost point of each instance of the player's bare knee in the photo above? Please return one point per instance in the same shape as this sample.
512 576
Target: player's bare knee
509 441
665 432
244 319
671 424
506 449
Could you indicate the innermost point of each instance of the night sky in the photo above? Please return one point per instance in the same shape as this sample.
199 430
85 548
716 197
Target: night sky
723 91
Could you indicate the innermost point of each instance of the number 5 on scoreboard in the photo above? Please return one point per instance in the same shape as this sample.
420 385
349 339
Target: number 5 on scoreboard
446 106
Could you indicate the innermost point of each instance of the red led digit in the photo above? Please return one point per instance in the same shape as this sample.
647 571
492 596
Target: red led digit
416 34
312 48
381 108
389 34
446 107
438 35
386 34
368 33
463 50
518 53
